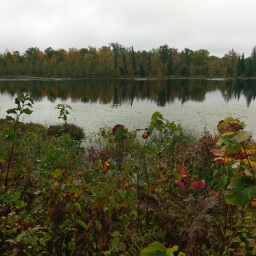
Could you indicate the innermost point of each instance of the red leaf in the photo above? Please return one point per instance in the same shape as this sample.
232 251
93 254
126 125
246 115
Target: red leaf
241 252
195 184
213 193
116 127
179 183
202 183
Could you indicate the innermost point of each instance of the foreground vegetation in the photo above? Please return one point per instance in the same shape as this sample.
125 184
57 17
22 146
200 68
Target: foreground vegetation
116 60
120 193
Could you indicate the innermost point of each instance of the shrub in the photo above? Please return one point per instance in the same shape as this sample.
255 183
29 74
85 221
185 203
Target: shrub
75 132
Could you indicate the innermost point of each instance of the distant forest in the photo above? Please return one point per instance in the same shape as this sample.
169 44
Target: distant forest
116 60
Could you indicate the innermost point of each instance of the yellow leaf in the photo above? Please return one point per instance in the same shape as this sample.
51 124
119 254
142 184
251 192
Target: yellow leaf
251 163
106 165
223 160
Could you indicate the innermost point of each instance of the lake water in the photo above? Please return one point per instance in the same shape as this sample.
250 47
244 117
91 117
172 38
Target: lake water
196 104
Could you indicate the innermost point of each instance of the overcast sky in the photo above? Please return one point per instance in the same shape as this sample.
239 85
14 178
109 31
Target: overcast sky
215 25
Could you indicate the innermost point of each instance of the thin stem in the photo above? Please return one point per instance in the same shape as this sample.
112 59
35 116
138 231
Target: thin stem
11 154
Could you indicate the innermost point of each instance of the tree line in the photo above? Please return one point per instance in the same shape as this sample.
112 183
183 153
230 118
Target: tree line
116 60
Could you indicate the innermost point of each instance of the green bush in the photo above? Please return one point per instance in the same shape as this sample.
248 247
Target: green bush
75 132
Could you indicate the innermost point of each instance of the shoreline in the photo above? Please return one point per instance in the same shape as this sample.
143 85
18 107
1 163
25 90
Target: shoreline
120 78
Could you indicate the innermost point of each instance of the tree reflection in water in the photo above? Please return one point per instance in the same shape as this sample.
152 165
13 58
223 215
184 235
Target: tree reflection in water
118 92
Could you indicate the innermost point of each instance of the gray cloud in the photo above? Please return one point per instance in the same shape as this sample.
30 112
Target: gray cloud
215 25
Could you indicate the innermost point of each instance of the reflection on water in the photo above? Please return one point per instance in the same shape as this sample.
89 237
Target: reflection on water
196 104
117 92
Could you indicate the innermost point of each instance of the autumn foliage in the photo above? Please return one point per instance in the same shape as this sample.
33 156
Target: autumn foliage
128 193
116 60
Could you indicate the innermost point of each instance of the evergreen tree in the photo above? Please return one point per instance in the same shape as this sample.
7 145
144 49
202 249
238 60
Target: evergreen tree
149 67
238 67
124 65
169 64
253 57
133 62
230 71
249 67
142 73
243 64
117 49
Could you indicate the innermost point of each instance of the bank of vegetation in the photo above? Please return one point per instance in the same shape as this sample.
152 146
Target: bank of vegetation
153 192
116 60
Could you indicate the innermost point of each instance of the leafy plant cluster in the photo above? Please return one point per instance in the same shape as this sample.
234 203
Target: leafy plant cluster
124 192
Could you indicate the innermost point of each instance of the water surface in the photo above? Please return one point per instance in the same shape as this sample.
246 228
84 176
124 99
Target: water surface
197 104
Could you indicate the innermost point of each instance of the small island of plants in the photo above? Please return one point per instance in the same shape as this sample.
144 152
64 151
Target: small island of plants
156 192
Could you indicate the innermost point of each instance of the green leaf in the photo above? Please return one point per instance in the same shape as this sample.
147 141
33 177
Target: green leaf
122 134
114 242
48 236
156 116
19 204
20 164
229 142
10 118
78 206
1 158
173 249
9 135
156 121
57 173
213 182
89 224
98 225
7 132
176 175
82 223
27 111
16 195
154 249
11 111
240 191
42 241
115 233
243 136
36 208
222 183
214 173
65 224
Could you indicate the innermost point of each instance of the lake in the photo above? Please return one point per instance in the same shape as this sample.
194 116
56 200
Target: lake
196 104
